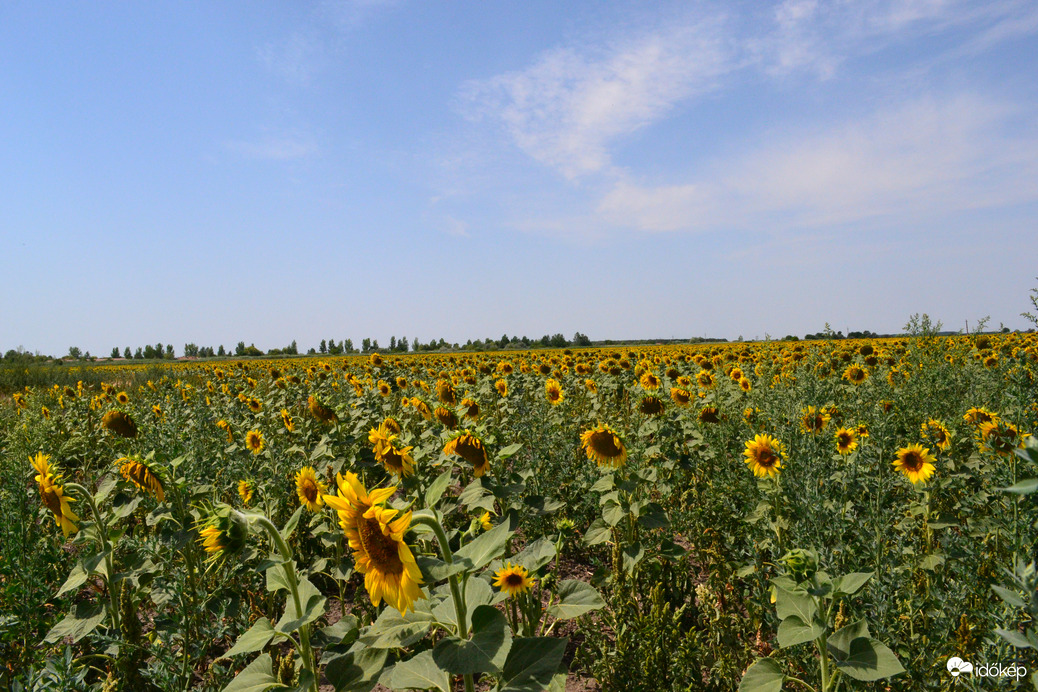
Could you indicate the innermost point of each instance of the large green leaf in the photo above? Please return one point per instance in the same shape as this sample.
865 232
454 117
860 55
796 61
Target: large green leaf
79 623
575 599
765 675
485 547
420 673
392 630
860 656
258 676
653 516
435 491
81 572
597 533
796 602
793 631
356 671
613 512
313 607
257 637
532 663
533 556
849 584
484 652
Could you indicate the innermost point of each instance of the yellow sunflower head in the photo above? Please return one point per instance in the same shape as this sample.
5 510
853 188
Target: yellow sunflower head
254 441
1001 437
445 392
383 388
513 580
53 494
309 489
143 476
446 417
119 423
709 414
855 374
467 445
286 419
649 380
553 392
935 431
604 446
471 408
846 440
375 359
502 387
246 489
123 398
813 420
916 462
650 405
320 411
979 415
223 532
764 455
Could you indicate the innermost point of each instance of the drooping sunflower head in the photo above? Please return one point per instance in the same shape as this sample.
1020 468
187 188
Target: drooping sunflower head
246 489
814 420
422 408
119 423
286 419
254 441
979 415
391 425
846 440
650 405
502 387
649 380
309 489
52 493
553 392
709 414
143 476
467 445
513 580
223 532
471 408
604 446
680 396
446 417
591 385
1001 436
935 431
445 392
764 455
320 411
916 462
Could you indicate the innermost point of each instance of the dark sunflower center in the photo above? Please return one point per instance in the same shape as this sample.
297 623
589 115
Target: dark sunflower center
309 489
766 458
913 461
604 446
514 579
393 459
844 440
51 499
381 549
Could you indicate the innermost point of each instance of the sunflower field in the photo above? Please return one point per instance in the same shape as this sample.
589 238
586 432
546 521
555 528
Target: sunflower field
823 515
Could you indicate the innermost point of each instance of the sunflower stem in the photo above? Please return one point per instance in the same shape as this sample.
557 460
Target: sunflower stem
293 584
106 549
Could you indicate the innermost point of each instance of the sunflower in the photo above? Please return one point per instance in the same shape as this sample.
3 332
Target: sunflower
396 460
123 398
916 462
846 440
705 380
445 392
309 489
813 421
935 431
1001 437
979 415
376 535
764 455
286 418
855 374
471 408
685 382
446 417
401 383
709 414
53 494
502 387
120 423
375 359
254 441
604 446
470 448
223 533
513 580
484 521
45 412
383 388
226 427
649 380
553 391
246 489
141 475
320 411
422 408
650 405
680 396
255 405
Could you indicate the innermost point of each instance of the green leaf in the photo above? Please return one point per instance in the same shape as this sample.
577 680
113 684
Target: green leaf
532 557
575 599
435 491
653 516
1014 637
849 584
257 637
420 673
603 484
793 631
291 524
79 623
81 572
435 570
613 512
476 496
597 533
256 677
356 671
1010 597
765 675
861 657
633 554
484 652
510 450
1024 487
795 602
276 579
392 630
313 608
532 663
486 546
345 631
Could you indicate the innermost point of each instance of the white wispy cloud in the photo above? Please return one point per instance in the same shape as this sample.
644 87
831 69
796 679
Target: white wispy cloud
927 157
275 147
294 58
570 105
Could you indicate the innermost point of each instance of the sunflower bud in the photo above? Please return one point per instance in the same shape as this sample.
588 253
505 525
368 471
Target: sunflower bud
224 532
802 563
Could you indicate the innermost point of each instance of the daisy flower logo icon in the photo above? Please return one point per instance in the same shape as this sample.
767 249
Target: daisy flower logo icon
956 666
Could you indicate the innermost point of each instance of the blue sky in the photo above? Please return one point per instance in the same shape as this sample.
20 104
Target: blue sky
268 171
